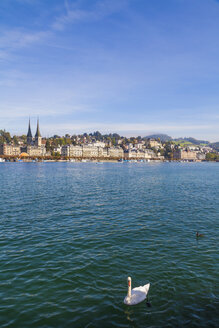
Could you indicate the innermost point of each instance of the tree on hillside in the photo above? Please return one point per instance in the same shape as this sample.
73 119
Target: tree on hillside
24 138
212 157
48 147
4 137
113 141
15 140
168 153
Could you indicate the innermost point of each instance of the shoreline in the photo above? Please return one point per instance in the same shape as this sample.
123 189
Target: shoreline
99 161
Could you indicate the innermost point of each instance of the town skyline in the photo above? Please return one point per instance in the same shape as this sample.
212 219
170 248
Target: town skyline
95 146
34 121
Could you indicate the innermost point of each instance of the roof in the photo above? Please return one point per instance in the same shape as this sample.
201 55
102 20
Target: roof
24 155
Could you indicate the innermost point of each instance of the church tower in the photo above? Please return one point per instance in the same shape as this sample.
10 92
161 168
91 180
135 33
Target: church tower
29 135
38 138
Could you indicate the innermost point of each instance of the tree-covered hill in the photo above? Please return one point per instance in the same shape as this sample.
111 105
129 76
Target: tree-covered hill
162 137
192 141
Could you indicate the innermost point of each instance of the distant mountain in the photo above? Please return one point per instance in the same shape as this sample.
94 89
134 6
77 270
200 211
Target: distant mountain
165 137
162 137
214 145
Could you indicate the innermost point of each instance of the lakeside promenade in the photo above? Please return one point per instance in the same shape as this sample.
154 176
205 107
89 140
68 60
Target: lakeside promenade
93 160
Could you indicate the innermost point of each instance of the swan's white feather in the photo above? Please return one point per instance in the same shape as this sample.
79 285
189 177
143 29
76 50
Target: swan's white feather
138 294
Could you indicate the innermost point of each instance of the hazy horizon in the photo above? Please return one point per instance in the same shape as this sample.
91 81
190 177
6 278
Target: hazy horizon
107 131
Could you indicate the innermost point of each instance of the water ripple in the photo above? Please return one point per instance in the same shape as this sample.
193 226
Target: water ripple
71 233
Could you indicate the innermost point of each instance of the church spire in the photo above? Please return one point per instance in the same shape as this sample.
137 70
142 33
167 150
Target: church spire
38 138
29 135
37 135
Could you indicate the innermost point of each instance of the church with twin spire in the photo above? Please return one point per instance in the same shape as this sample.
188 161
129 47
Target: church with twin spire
34 147
37 141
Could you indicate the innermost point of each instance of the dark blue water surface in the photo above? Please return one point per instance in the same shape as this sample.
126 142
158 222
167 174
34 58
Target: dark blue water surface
71 233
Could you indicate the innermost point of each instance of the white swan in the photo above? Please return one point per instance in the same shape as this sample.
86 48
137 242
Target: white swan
137 294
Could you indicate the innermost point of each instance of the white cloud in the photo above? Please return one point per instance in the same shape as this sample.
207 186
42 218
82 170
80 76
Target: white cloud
17 38
72 16
11 40
100 10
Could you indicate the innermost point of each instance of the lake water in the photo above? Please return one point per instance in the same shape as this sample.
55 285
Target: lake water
71 234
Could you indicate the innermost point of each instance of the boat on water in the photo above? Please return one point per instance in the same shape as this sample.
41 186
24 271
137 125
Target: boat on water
2 160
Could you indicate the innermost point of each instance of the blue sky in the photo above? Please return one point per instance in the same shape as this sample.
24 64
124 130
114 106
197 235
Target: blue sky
133 67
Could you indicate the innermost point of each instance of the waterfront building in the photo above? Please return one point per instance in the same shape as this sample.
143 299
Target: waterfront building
90 151
184 154
148 154
115 152
201 156
139 154
35 151
103 152
72 151
10 150
76 151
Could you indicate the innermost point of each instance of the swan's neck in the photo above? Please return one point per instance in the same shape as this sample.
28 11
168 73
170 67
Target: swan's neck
129 288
